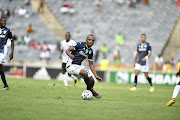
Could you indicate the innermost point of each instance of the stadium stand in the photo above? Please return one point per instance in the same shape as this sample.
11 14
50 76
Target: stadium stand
18 27
156 20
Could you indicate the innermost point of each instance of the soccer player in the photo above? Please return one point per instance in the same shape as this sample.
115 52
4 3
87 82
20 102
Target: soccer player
141 62
77 54
5 34
65 44
175 92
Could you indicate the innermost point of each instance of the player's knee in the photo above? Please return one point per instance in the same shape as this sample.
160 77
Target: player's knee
91 79
84 73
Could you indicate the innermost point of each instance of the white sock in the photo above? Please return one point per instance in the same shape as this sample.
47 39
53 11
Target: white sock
74 77
176 91
65 80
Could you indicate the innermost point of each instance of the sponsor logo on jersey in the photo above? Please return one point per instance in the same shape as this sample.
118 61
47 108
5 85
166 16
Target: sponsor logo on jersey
2 36
82 53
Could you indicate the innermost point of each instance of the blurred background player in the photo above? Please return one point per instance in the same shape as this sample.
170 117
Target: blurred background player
65 44
175 92
141 62
5 34
77 54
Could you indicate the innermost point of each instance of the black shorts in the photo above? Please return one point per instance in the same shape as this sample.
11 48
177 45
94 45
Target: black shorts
63 67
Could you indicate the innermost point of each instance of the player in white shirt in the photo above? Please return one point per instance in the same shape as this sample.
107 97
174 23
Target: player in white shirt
65 44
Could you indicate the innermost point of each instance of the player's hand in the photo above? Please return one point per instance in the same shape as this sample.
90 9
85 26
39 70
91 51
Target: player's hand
99 79
144 59
11 56
60 57
134 64
72 57
178 73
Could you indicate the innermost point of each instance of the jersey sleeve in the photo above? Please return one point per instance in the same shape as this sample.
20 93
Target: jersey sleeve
149 48
77 45
10 35
90 57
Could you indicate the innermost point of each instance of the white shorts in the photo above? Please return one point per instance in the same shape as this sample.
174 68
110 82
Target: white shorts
3 55
142 68
75 69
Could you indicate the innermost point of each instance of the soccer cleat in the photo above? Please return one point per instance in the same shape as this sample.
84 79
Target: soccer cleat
151 89
95 94
5 88
132 89
76 83
170 102
66 87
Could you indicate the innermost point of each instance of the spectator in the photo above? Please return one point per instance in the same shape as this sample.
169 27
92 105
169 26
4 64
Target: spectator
120 2
27 2
41 6
98 4
45 55
27 39
32 44
104 50
172 63
119 38
22 11
44 46
6 13
29 28
146 2
52 47
159 61
21 41
38 46
117 56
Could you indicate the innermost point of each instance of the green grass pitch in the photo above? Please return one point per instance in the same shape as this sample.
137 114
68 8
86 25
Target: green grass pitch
30 99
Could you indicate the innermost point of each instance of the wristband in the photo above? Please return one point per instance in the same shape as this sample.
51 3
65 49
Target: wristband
146 57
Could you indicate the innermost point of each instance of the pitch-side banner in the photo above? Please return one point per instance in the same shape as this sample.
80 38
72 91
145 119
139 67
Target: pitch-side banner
157 78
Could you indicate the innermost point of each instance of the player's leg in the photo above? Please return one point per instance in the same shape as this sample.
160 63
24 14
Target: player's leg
75 79
135 80
3 78
89 82
175 93
150 82
64 75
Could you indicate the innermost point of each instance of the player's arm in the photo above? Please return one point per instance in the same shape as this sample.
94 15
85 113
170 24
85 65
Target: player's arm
12 45
68 52
60 56
136 57
147 56
12 50
91 65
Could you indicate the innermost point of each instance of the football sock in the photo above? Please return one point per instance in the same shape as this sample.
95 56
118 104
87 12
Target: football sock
135 81
176 91
150 81
88 83
3 79
73 77
65 80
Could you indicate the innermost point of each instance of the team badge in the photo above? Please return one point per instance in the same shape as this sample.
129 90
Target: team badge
4 31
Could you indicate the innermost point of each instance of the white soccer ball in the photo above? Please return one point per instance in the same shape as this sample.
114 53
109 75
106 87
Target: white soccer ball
87 95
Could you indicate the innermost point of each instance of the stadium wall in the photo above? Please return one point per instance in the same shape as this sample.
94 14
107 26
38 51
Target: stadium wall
116 76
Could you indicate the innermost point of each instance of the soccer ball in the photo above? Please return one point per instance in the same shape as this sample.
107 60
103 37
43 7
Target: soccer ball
87 95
